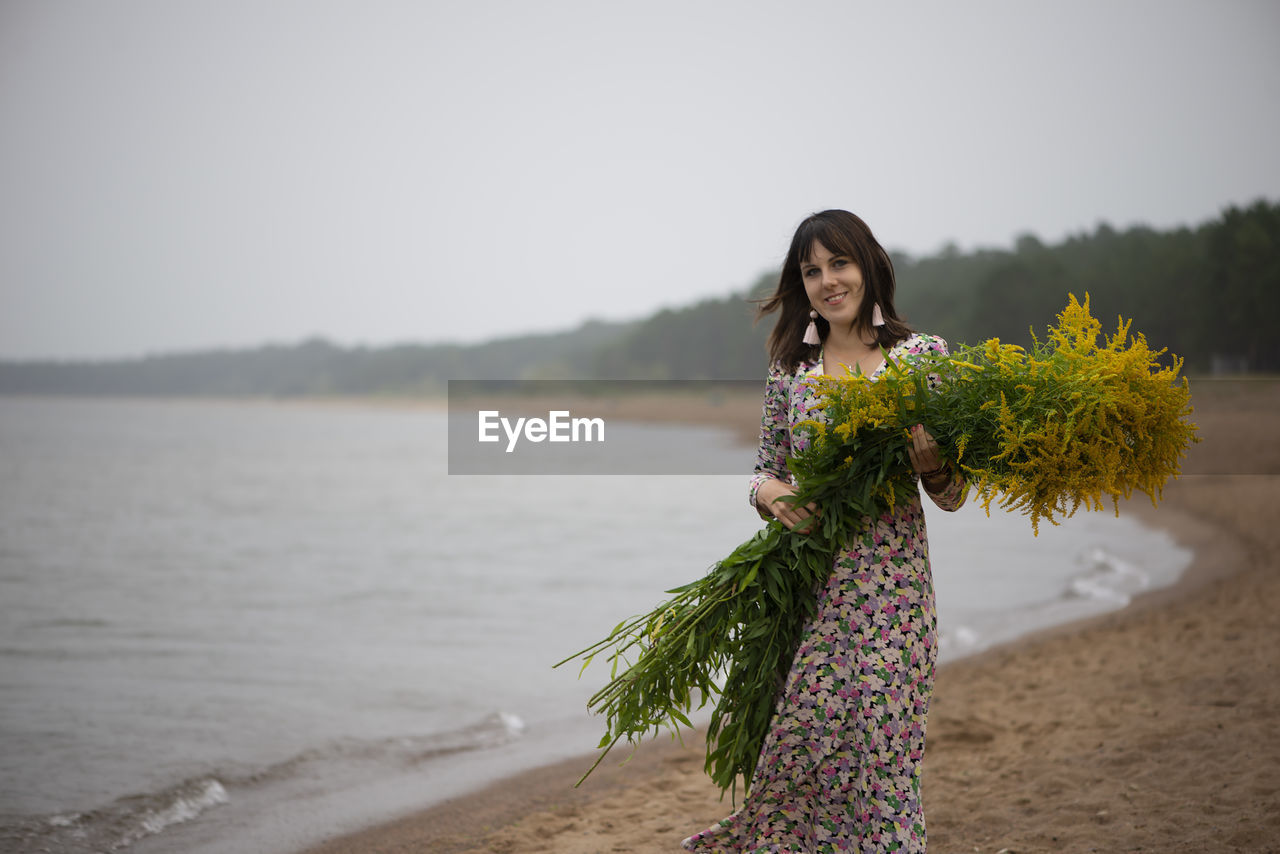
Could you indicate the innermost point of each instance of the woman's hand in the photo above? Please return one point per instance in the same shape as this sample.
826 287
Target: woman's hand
774 498
927 458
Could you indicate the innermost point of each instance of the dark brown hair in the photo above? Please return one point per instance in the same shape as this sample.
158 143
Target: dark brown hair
842 233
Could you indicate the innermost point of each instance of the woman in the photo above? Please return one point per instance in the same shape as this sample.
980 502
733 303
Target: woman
840 767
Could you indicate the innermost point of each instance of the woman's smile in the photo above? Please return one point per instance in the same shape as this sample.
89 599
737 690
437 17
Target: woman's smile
833 284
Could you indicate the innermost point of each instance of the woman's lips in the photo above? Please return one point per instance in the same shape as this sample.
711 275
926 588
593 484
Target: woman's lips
836 299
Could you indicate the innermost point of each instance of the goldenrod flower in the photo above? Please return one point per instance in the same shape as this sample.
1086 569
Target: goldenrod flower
1045 432
1074 421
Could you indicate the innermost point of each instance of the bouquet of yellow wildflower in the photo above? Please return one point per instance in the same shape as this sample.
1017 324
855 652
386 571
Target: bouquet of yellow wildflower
1045 431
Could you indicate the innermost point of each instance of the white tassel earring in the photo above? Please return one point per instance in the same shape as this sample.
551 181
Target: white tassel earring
877 316
811 331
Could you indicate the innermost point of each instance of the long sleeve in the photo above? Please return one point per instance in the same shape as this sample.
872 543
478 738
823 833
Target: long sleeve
952 496
775 433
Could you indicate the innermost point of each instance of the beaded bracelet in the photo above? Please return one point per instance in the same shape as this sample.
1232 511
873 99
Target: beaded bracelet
942 469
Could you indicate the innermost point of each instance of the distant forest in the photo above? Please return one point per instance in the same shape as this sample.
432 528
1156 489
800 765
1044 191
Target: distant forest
1210 294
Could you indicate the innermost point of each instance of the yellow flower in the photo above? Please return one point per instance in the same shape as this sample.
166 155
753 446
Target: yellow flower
1044 431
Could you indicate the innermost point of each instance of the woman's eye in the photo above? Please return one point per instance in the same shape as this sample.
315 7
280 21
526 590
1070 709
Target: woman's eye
809 272
838 263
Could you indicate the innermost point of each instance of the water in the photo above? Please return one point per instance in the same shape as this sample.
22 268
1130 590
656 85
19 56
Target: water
234 626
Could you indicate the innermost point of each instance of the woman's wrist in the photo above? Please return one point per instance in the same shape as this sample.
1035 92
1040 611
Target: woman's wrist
760 498
765 496
938 478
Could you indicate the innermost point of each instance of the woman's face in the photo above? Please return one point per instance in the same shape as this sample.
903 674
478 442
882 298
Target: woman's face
833 284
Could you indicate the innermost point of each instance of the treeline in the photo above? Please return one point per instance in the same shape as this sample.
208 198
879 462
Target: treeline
713 339
1210 294
316 367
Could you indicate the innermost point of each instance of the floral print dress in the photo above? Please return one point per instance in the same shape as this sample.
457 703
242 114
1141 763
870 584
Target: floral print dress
840 766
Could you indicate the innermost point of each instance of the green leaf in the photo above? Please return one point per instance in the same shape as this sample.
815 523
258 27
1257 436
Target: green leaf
738 625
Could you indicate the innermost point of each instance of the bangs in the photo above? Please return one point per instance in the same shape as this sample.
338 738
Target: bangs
829 234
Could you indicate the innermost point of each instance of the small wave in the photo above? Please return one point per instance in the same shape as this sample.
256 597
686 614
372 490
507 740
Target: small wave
493 730
121 824
959 641
514 725
1107 578
185 806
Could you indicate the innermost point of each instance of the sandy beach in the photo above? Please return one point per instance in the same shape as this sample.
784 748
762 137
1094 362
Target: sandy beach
1149 729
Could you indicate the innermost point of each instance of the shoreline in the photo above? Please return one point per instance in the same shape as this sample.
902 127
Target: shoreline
1098 734
482 820
1156 729
992 709
465 823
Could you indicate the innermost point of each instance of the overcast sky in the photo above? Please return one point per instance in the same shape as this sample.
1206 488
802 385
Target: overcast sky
181 175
